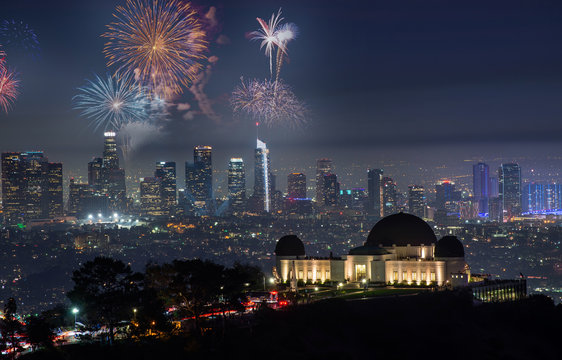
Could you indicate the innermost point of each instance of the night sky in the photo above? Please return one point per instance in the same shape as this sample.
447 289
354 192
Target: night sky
429 83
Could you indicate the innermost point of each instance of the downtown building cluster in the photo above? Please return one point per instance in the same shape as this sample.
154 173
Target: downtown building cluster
32 190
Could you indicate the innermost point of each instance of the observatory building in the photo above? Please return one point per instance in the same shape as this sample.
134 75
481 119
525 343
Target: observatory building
400 248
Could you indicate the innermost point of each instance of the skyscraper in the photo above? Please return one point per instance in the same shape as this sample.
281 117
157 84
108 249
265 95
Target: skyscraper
323 166
95 168
374 178
262 177
151 198
481 186
13 186
416 200
446 197
190 176
54 204
31 187
166 172
236 184
203 173
112 176
509 176
330 189
296 186
110 155
389 198
35 189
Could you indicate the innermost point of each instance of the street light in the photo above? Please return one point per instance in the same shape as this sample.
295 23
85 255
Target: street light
135 315
75 311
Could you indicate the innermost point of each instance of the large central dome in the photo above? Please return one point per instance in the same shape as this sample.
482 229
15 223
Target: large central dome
400 230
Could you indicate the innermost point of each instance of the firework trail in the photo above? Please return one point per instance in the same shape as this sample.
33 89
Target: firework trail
161 42
18 36
9 86
286 33
274 37
269 102
112 102
134 134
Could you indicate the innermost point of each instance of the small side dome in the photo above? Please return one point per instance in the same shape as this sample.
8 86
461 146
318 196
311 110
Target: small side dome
449 246
289 245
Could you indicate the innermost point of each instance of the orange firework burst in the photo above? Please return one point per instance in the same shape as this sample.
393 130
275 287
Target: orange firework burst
160 42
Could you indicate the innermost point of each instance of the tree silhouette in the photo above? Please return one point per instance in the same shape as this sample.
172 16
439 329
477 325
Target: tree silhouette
195 287
39 332
106 291
10 326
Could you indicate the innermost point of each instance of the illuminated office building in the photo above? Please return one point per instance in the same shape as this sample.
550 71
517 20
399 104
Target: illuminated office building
296 186
331 189
374 181
150 196
323 167
416 200
481 186
389 197
166 172
95 168
31 187
509 176
236 184
54 203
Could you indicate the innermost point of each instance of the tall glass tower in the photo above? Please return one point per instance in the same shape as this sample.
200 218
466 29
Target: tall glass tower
481 186
202 160
374 180
509 176
262 176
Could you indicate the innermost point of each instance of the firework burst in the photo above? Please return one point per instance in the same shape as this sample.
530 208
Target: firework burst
269 102
267 34
18 36
112 102
161 42
9 85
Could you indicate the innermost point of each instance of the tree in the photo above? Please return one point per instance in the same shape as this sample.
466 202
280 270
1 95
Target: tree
106 291
195 287
39 332
191 285
10 326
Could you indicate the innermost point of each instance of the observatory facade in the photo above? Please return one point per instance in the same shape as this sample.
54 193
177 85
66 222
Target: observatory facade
400 248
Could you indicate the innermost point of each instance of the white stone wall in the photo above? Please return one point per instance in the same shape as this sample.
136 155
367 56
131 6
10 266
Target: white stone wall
415 271
309 269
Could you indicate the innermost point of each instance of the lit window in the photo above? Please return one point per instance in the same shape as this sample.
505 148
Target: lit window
318 275
327 274
301 274
414 276
404 276
423 276
309 275
395 278
432 276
